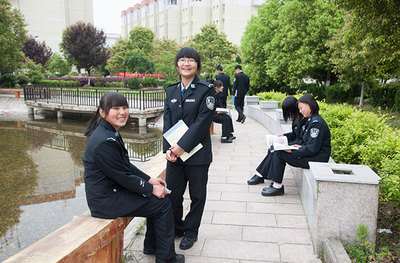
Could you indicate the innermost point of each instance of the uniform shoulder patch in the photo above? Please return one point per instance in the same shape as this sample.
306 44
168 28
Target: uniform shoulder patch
111 139
210 102
174 84
314 132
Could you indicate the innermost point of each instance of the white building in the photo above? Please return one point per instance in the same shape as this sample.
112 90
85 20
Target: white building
47 19
182 19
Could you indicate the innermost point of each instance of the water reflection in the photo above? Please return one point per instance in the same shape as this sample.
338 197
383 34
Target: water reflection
41 176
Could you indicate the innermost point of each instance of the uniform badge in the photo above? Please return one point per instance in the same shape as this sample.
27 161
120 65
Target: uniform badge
174 100
190 100
314 132
193 86
210 100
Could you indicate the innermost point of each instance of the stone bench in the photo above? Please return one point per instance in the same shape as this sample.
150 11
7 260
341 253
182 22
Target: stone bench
336 199
17 92
86 238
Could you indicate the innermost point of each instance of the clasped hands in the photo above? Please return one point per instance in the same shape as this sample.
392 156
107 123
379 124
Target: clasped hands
159 186
174 152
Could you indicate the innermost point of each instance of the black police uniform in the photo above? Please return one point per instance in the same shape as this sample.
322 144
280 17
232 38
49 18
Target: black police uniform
294 137
197 110
226 82
315 147
115 187
241 85
224 119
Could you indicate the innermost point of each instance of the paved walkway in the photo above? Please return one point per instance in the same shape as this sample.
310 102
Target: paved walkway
240 225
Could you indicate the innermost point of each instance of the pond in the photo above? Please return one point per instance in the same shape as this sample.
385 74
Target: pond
41 175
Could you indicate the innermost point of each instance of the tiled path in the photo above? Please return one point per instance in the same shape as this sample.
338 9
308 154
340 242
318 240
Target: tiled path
240 225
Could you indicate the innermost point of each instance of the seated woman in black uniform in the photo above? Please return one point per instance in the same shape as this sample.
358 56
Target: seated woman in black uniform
221 116
116 188
315 146
290 111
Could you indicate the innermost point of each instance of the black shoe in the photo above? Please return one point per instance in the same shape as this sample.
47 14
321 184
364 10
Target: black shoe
238 120
149 251
226 140
178 234
242 120
272 191
187 242
178 258
231 137
255 180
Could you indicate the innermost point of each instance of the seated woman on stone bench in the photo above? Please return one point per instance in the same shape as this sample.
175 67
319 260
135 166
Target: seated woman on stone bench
313 142
222 116
116 188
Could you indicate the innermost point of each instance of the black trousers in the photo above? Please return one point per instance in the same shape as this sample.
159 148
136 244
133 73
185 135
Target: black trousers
239 105
178 176
273 165
227 126
160 231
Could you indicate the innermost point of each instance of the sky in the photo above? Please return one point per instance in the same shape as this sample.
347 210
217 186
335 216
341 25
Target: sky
107 14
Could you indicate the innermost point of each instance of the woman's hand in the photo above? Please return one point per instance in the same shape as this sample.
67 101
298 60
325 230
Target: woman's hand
157 181
177 150
170 156
279 135
159 191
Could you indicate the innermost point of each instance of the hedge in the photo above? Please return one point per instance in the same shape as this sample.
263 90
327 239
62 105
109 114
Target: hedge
387 96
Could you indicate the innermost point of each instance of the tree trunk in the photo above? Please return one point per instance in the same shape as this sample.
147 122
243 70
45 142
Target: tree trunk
88 71
362 95
328 78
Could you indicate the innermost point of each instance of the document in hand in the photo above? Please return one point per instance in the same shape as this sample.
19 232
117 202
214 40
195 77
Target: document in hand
277 143
175 133
227 111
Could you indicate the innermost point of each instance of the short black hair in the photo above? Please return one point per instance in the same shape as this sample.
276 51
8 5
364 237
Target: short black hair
290 109
238 67
188 52
310 100
219 67
218 83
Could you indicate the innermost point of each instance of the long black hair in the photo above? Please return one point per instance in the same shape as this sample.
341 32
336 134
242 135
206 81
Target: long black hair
107 101
310 100
188 52
290 110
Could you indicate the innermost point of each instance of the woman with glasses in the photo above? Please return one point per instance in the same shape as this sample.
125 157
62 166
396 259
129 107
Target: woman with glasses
192 101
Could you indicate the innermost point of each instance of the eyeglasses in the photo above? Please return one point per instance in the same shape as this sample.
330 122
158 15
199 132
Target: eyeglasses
186 60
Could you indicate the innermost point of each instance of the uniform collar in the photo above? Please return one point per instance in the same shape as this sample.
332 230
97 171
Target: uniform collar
107 125
192 84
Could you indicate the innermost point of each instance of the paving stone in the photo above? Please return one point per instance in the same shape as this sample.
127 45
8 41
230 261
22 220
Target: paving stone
241 250
221 231
227 187
194 259
226 206
295 221
247 197
244 219
292 209
296 253
277 235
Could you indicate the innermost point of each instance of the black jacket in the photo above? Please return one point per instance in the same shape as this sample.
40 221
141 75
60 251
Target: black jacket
241 85
226 81
114 187
296 135
316 139
193 110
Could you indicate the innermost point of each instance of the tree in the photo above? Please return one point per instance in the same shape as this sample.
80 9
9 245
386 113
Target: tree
38 52
163 55
142 38
138 61
12 37
59 66
84 46
117 58
213 48
290 39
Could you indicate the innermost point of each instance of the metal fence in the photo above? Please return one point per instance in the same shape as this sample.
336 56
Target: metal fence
137 99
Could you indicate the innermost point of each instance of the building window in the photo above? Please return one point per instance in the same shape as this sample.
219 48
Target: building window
172 2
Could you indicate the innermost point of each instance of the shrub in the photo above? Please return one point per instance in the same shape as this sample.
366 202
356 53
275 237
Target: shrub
8 80
168 83
149 82
385 95
22 79
98 84
272 95
390 184
115 84
289 89
134 83
341 93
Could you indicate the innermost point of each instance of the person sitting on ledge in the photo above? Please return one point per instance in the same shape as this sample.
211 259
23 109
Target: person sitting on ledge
313 143
116 188
222 116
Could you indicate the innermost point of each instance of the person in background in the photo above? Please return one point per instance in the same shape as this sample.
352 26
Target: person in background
290 111
192 101
226 82
223 116
241 85
315 146
116 188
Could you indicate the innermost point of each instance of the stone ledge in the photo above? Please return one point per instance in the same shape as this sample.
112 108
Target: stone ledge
334 251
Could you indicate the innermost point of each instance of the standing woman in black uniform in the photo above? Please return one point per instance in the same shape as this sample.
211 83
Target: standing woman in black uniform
116 188
315 146
192 101
290 111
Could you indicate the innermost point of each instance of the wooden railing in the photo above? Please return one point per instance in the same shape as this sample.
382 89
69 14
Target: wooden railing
86 239
137 99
